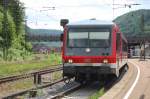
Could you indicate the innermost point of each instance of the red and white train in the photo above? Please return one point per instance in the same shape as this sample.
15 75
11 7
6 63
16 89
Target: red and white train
92 48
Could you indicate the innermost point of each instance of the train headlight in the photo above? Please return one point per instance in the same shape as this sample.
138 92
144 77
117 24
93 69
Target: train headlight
105 61
70 61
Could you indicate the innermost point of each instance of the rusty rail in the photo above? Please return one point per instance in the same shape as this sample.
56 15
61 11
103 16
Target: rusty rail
13 95
28 75
37 80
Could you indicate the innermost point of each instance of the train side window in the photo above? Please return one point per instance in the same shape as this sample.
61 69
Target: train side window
118 42
123 45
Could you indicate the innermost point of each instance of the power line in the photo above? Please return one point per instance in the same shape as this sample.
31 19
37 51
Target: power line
43 13
122 6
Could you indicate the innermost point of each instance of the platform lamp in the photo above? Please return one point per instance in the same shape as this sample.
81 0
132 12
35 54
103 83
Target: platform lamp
63 23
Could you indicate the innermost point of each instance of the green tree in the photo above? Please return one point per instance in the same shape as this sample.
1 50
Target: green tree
12 30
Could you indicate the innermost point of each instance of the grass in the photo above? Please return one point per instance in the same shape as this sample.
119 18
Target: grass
57 75
21 67
9 68
13 87
98 94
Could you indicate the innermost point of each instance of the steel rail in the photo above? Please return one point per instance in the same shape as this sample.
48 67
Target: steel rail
28 75
13 95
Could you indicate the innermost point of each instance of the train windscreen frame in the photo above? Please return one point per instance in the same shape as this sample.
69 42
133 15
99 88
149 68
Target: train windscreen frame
89 37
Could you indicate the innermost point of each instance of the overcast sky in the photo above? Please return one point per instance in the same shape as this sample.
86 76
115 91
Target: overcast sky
40 14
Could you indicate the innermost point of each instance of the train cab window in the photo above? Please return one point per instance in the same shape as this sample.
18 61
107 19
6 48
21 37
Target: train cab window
78 39
99 39
89 37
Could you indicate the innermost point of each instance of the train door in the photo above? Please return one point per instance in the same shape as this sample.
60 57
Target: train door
118 48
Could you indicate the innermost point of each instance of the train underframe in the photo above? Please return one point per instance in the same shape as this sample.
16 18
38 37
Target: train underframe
90 73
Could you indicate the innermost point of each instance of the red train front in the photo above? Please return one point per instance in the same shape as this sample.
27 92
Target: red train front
92 48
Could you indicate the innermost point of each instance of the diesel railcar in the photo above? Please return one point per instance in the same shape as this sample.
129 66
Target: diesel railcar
92 48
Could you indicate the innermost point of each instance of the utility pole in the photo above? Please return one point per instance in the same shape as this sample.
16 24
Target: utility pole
113 8
142 31
144 49
142 23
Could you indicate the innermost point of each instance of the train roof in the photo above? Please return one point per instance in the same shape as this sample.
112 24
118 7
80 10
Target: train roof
91 22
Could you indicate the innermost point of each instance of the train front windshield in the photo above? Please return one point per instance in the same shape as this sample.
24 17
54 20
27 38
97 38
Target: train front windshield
89 37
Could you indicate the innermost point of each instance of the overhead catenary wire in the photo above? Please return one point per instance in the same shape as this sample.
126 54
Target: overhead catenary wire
42 12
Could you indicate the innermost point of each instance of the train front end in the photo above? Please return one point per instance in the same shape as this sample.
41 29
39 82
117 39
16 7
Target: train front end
88 50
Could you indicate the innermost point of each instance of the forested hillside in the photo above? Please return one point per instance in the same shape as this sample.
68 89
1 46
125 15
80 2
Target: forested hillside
135 23
12 31
43 31
42 35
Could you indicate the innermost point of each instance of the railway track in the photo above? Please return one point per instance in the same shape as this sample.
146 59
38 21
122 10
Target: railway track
36 78
72 89
28 75
80 90
20 93
75 87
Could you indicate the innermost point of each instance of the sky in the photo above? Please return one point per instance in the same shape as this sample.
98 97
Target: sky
40 13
